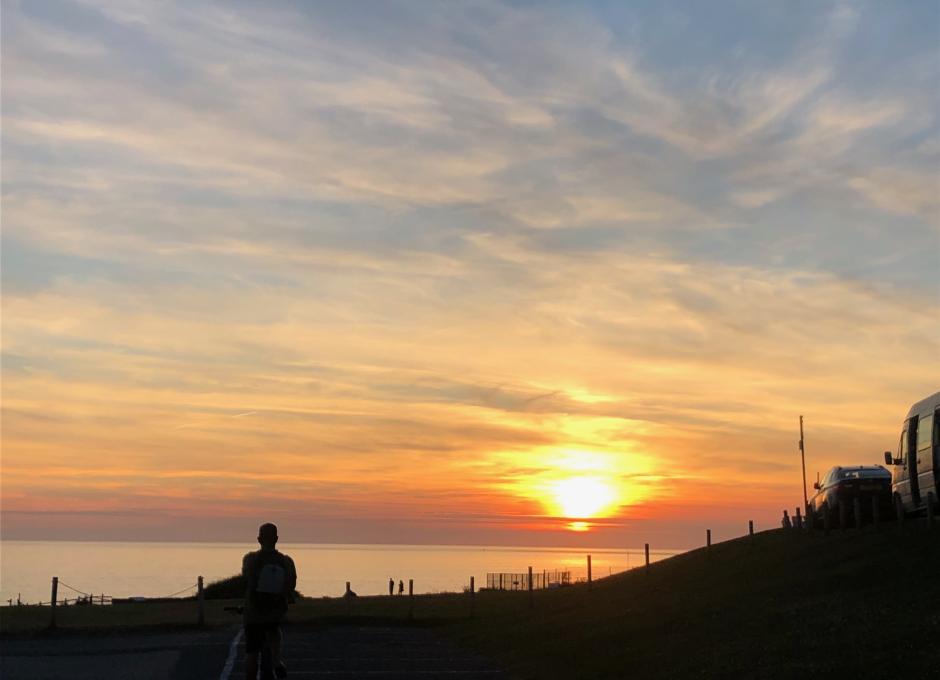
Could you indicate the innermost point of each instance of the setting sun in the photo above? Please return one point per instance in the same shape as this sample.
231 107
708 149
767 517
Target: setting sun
583 497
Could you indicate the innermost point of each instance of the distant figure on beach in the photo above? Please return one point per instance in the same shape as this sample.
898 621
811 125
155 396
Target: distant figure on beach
785 522
270 579
401 587
391 586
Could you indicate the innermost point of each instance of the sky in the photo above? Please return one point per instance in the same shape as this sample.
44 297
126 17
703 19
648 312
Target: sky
488 273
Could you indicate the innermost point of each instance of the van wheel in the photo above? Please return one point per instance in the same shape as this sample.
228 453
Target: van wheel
826 516
898 508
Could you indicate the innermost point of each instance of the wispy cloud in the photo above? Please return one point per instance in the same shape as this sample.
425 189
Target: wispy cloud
293 252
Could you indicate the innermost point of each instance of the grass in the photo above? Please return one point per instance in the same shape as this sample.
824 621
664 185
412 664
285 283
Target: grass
778 605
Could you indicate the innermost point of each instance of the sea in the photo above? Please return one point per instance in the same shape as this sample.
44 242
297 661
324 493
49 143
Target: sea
164 569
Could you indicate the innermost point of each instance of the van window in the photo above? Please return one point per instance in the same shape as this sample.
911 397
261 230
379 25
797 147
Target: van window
902 446
925 432
864 473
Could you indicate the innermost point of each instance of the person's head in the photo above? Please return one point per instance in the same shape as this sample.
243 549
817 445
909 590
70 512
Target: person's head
267 535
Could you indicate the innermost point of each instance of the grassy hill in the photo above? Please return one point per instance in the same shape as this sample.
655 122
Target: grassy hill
779 605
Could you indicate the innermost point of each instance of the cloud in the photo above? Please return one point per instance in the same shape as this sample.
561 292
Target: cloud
422 246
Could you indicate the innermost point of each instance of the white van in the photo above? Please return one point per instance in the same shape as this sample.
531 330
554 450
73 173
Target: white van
915 477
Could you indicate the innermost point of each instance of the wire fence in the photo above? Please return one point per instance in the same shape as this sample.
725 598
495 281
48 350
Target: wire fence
88 598
520 581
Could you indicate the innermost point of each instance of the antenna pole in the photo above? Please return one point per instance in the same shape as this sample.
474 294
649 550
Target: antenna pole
803 459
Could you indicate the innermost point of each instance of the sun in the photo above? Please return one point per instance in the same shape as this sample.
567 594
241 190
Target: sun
583 497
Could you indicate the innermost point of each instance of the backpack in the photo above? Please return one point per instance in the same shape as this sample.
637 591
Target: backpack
269 588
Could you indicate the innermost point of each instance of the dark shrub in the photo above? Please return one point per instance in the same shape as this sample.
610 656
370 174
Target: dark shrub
230 588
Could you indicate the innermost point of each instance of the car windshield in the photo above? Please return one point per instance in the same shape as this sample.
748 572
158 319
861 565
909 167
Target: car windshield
863 473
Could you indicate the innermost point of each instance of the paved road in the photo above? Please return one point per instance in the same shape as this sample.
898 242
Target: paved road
374 652
342 652
195 655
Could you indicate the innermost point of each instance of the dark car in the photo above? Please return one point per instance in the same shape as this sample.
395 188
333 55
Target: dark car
843 484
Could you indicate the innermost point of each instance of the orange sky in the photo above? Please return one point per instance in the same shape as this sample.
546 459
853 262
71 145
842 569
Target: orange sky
420 286
438 423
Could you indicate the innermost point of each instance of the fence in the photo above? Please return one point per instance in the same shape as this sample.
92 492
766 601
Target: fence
85 599
540 580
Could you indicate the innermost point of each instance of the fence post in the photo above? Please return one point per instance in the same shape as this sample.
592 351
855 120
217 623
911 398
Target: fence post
411 598
200 598
473 597
875 511
531 601
590 578
799 518
55 596
708 538
750 527
857 509
646 552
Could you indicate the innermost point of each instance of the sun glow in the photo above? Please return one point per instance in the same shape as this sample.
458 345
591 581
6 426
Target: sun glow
583 497
578 485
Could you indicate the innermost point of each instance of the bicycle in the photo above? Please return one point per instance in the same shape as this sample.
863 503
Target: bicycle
267 669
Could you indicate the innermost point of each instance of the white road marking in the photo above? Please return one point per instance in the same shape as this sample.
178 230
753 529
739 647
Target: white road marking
232 651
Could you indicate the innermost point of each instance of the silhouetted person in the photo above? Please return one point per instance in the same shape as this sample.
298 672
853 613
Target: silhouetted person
391 586
401 587
785 522
270 579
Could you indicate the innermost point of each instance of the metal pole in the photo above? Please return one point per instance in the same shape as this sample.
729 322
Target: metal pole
590 579
708 538
803 459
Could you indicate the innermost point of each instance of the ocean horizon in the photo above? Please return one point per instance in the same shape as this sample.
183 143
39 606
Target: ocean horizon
164 568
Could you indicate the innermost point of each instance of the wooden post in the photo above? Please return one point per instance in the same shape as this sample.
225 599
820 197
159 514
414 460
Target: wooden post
473 597
590 579
798 515
646 552
857 509
875 511
52 602
708 538
200 598
411 598
750 527
531 600
843 512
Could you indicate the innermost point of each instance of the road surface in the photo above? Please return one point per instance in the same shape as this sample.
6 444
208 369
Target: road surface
344 652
